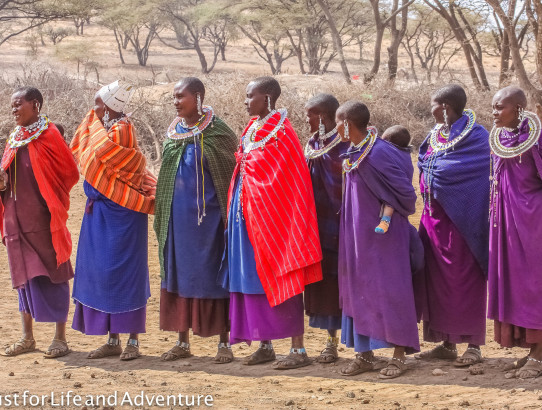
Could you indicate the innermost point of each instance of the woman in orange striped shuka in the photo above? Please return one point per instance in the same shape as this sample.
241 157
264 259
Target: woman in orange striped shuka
111 285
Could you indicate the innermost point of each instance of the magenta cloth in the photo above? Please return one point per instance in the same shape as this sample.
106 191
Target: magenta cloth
93 322
253 319
44 300
375 276
515 256
27 227
453 296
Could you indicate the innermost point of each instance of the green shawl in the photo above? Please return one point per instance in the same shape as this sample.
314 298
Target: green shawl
219 146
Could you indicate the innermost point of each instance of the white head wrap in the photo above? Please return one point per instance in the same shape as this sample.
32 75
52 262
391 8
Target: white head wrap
116 95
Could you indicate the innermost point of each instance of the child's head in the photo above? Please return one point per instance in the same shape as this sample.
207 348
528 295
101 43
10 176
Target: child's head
397 135
60 128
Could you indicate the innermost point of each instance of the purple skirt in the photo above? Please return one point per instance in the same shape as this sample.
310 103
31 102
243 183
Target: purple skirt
253 319
93 322
44 300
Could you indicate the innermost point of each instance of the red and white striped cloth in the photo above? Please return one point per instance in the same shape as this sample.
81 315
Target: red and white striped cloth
278 207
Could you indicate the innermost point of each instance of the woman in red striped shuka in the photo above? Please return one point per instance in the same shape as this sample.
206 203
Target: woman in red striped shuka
273 248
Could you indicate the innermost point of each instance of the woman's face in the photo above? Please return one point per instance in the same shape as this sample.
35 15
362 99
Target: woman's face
185 102
99 106
256 101
25 112
505 112
312 117
437 110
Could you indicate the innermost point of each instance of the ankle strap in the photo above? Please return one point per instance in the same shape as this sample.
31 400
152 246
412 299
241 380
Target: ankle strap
113 341
132 342
224 344
332 341
183 345
268 346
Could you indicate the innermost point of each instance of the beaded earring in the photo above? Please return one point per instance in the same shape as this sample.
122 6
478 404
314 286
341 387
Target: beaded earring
346 132
269 103
521 114
105 118
199 104
321 129
445 113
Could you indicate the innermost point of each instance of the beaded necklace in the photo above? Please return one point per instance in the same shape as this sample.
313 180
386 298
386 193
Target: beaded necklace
204 121
248 144
499 150
371 137
497 147
438 147
311 153
249 139
16 138
439 130
193 132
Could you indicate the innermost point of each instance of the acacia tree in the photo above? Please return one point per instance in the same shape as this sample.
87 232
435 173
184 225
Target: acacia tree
382 21
19 16
135 22
197 23
515 50
425 41
465 24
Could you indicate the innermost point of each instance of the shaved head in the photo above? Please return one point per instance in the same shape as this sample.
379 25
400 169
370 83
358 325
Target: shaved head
267 85
513 94
452 95
193 86
324 104
356 113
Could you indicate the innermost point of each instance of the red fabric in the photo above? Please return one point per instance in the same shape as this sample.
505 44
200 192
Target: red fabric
56 173
278 207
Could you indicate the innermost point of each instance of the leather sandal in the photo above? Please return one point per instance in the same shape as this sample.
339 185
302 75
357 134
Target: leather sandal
297 358
264 354
181 350
21 346
111 348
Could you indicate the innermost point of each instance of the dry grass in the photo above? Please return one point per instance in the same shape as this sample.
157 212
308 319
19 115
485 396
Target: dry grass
68 99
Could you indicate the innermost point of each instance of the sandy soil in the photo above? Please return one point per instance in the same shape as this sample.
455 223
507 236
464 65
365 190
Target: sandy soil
237 386
232 385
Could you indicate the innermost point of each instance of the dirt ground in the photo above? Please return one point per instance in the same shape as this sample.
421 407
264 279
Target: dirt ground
235 385
232 386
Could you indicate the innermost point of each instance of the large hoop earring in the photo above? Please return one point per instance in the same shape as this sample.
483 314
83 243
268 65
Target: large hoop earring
198 97
346 131
321 129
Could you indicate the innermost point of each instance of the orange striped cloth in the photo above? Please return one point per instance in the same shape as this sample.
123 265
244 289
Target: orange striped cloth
113 163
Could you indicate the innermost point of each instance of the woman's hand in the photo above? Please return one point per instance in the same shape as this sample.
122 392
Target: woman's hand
149 184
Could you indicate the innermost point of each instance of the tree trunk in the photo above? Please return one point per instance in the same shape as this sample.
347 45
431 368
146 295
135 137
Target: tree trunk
376 58
119 46
505 59
521 73
397 37
337 42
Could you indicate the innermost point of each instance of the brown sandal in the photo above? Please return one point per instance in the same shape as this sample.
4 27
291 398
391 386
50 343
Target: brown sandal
181 350
264 354
297 358
330 353
21 346
111 348
58 348
224 354
359 365
470 357
131 351
397 366
440 352
531 370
